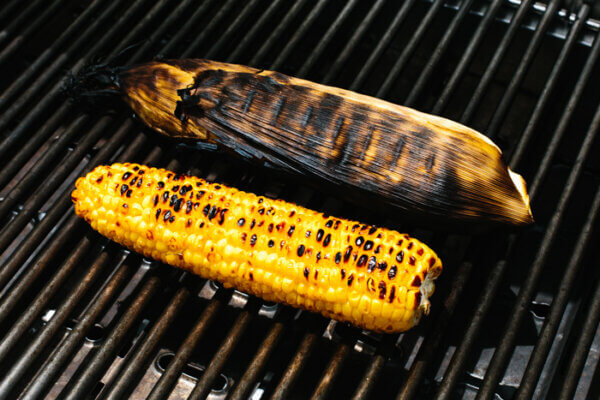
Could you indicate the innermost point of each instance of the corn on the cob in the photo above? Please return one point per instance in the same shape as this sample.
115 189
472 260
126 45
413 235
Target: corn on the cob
428 167
372 277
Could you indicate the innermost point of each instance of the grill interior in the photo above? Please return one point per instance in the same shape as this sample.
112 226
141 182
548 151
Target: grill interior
515 314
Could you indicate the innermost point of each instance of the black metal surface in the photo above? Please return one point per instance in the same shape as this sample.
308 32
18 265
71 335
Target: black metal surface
81 317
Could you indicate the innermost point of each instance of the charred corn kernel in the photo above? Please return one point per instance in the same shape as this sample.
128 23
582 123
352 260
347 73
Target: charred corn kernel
372 277
424 165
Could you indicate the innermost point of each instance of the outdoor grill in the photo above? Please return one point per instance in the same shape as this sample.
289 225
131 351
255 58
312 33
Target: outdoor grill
515 314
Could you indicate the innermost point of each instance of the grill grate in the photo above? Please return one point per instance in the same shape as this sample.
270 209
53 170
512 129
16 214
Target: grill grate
516 315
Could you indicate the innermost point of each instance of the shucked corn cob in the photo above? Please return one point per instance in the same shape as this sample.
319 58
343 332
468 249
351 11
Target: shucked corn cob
374 278
427 167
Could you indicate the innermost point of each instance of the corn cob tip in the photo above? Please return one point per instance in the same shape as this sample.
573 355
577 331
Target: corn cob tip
521 187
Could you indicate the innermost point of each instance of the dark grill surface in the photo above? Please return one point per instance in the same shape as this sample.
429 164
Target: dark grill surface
515 315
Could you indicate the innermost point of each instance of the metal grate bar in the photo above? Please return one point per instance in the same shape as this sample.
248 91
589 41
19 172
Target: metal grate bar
42 339
437 53
214 22
332 371
51 95
41 168
36 307
494 64
467 56
582 83
522 69
459 358
31 27
389 81
226 37
432 341
583 346
570 42
333 28
45 377
34 69
456 367
17 21
559 303
16 293
307 23
276 34
366 384
249 36
50 184
134 368
168 379
190 23
527 291
58 210
382 45
352 42
95 367
7 9
295 367
258 363
203 386
73 158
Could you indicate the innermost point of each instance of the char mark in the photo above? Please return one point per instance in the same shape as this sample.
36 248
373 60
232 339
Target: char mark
249 100
327 110
277 110
367 142
307 116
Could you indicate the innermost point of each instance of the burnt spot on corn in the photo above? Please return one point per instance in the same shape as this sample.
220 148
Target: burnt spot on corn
165 196
158 213
252 224
188 206
307 234
329 223
412 260
392 294
420 251
417 300
126 176
368 245
338 257
167 215
382 290
400 256
371 264
392 272
343 273
327 240
124 189
306 272
318 257
416 282
362 260
320 234
347 253
350 279
300 250
271 243
359 241
253 239
99 179
291 230
128 193
206 209
431 262
410 245
382 266
316 273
